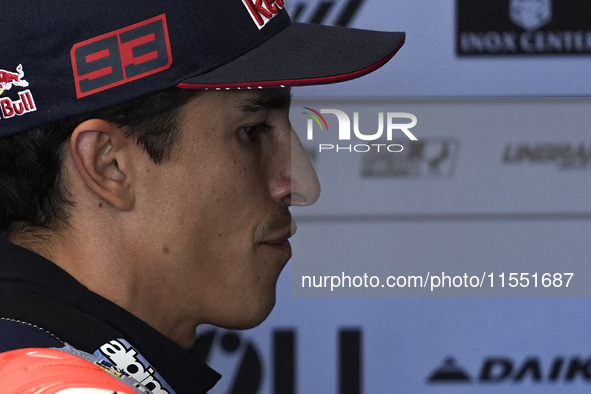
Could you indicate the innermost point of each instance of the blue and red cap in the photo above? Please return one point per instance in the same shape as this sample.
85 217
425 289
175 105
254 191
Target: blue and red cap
71 57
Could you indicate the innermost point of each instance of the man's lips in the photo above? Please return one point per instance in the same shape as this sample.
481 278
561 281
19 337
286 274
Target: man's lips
278 233
281 234
280 241
282 245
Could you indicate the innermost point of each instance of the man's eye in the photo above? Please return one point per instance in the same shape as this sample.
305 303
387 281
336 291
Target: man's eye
254 131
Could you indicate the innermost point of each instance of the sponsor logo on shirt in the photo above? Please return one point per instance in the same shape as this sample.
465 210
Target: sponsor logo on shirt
123 355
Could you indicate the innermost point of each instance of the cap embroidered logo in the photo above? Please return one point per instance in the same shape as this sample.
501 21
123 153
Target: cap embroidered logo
121 56
8 107
262 11
9 79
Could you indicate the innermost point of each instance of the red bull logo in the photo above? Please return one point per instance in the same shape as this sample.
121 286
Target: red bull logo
262 11
25 103
10 108
9 79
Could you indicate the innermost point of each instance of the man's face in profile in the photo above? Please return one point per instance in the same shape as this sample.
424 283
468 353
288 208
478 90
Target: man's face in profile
220 225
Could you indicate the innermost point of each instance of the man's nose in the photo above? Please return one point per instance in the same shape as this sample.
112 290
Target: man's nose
305 187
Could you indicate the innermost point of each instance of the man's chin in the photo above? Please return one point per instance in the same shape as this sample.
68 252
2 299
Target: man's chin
245 321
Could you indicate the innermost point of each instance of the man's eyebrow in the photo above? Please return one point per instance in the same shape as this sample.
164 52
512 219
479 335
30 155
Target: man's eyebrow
271 99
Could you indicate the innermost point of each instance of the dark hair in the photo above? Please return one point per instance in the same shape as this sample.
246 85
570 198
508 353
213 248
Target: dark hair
32 193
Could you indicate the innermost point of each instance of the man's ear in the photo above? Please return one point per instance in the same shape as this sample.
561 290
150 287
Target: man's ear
101 153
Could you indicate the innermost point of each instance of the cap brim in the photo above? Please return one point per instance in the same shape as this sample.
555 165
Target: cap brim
304 54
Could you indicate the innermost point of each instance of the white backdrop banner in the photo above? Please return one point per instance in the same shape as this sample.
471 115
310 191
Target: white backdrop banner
440 197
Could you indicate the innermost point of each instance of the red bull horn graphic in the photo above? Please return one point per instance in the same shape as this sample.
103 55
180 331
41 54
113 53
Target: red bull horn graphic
9 79
25 104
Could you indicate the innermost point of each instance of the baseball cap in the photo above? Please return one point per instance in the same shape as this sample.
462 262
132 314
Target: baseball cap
66 58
